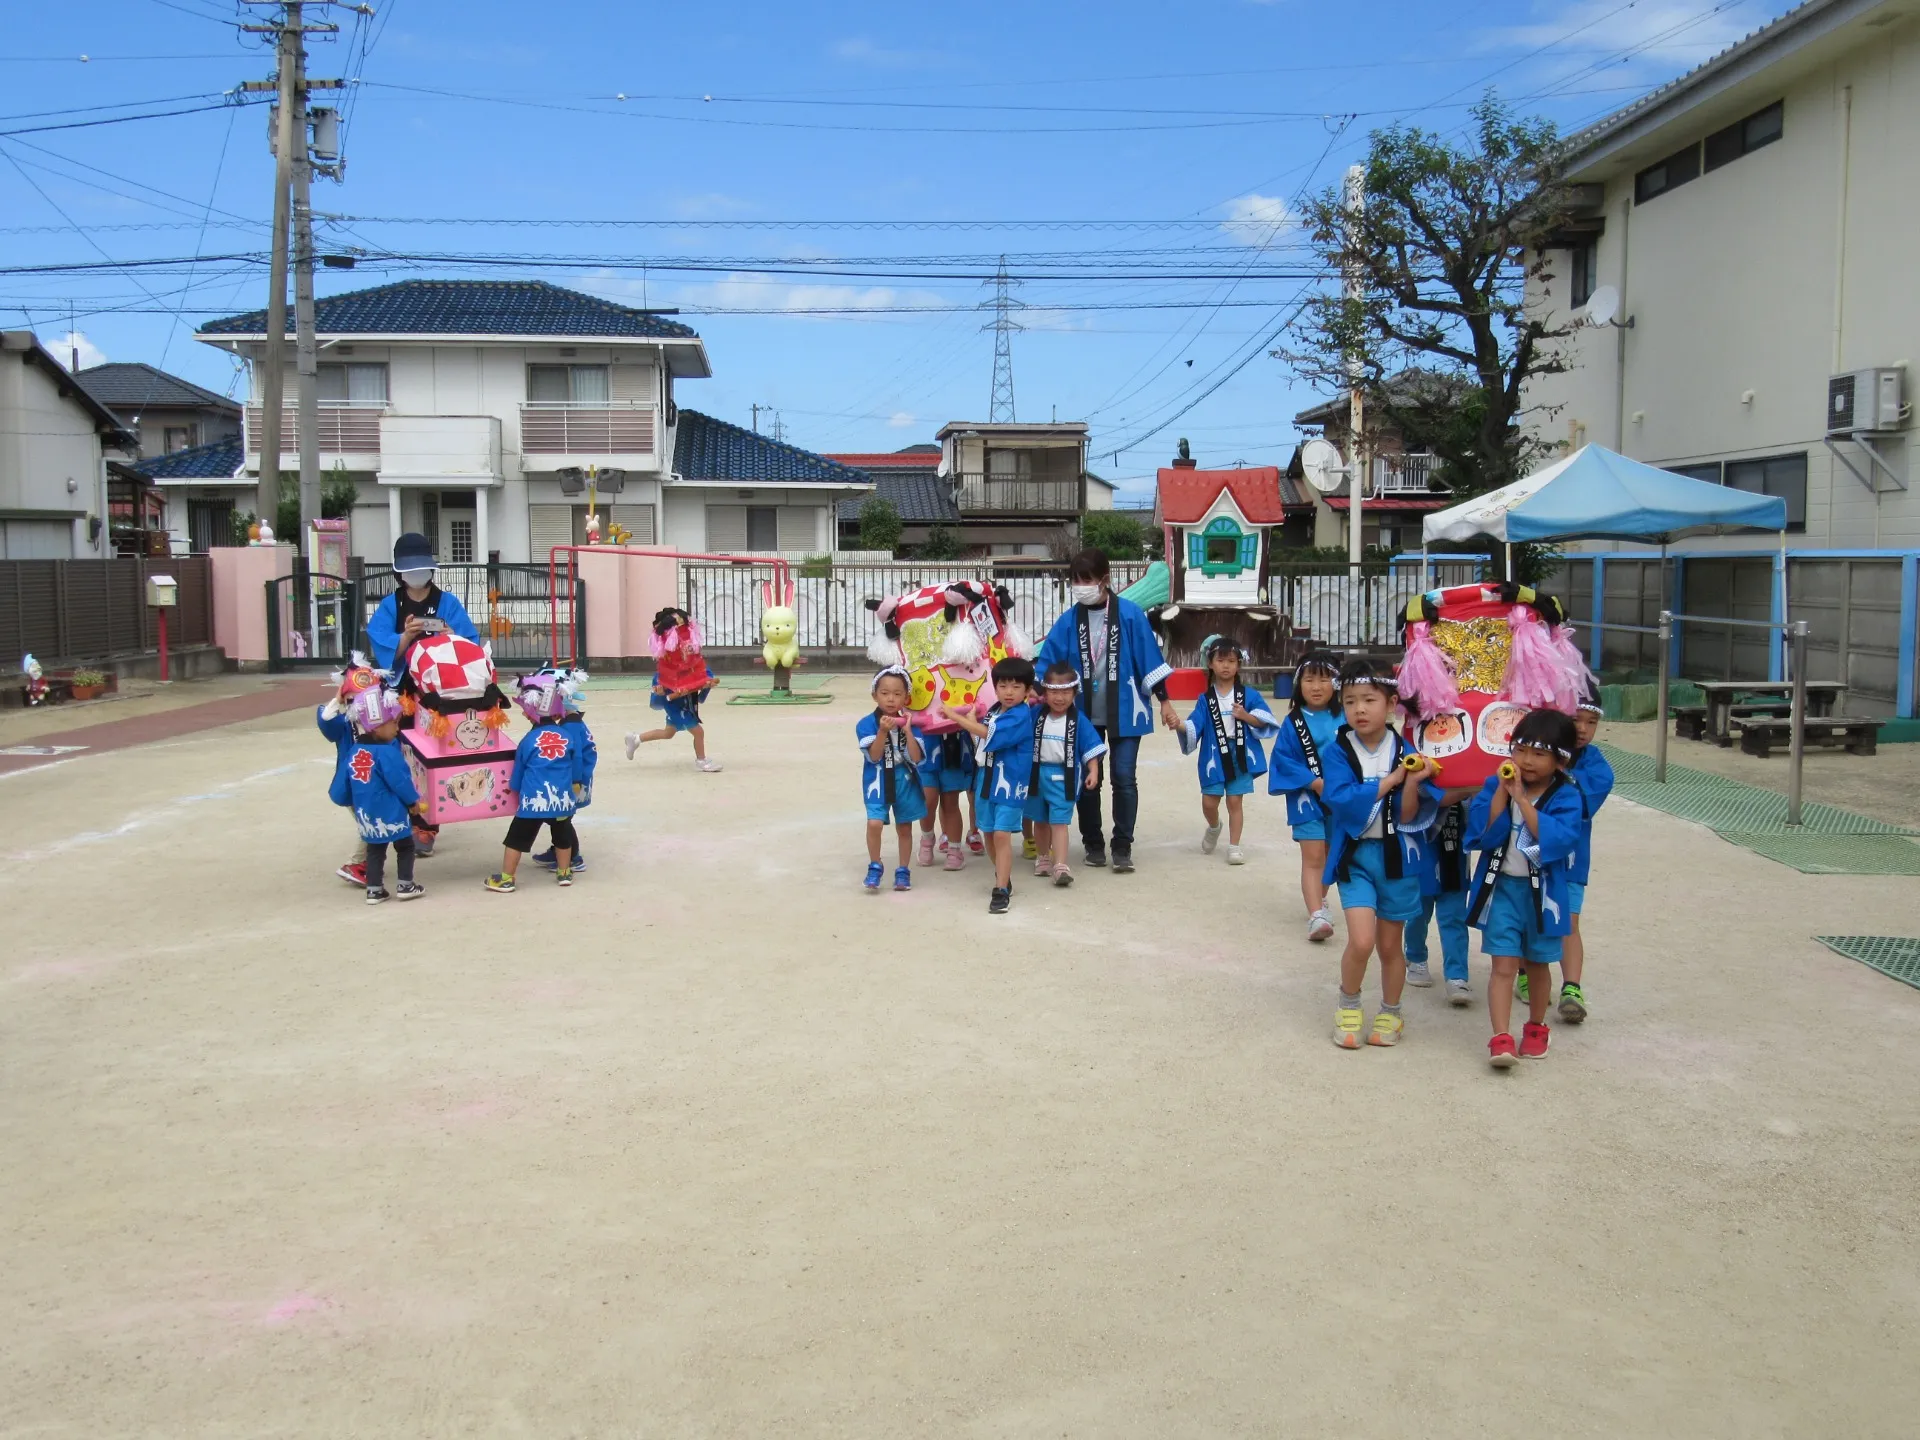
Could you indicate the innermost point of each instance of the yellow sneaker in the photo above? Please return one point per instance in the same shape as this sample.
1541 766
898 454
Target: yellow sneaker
1029 850
1387 1029
1346 1028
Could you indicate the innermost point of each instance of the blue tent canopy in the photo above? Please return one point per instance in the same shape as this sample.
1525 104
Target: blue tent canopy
1596 494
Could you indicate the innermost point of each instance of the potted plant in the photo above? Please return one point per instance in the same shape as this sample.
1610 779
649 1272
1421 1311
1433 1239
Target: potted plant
86 684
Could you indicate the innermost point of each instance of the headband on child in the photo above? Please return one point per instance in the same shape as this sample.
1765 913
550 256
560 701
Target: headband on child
1384 682
1591 707
899 670
1073 684
1542 745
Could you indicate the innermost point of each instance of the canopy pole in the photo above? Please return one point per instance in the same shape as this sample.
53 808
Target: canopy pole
1509 574
1426 569
1660 717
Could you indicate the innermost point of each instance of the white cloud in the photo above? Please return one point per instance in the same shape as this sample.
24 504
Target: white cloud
90 353
751 292
902 420
1255 219
1652 38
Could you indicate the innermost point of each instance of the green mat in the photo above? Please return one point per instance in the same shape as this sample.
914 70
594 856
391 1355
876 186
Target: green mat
1829 841
1893 955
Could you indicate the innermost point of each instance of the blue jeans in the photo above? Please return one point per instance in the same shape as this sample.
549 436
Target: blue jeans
1452 910
1123 754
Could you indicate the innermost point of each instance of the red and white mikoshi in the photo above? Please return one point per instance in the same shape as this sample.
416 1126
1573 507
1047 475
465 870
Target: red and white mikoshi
450 677
1478 658
947 638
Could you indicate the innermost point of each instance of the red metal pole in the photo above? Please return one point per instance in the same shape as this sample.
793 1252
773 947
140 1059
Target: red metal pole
163 640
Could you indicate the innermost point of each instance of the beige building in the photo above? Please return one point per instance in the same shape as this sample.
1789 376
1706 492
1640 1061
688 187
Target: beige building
55 439
1757 219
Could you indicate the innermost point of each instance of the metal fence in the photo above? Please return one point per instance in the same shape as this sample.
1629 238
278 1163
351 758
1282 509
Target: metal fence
74 610
511 605
1323 597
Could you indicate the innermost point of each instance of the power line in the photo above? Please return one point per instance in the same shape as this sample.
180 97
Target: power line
119 119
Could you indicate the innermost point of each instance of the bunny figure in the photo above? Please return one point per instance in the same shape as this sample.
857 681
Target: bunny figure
780 630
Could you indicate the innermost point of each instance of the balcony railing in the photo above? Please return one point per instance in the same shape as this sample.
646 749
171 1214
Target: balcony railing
1406 474
994 494
347 427
559 427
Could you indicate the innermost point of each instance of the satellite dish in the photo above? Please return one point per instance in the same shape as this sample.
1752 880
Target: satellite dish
1603 306
1323 465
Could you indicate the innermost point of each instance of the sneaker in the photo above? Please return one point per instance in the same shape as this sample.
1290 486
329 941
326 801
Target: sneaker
1500 1052
926 848
1000 901
1209 838
633 742
707 767
1573 1004
1235 856
353 873
1418 974
408 890
903 878
376 894
1062 877
1520 990
423 844
1387 1029
874 871
1459 993
945 844
957 858
564 877
1122 862
1042 867
976 842
1319 926
1346 1028
546 861
500 883
1028 848
1097 856
1533 1041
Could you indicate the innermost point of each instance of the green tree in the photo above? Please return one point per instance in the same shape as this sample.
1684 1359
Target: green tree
879 525
337 494
1441 332
942 543
1114 533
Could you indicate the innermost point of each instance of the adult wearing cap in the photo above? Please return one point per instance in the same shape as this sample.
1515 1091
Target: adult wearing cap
416 608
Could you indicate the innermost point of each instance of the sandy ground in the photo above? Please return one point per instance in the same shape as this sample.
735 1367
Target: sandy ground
135 699
713 1144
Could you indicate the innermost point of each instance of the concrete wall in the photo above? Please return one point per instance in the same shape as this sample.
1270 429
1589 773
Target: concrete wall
52 471
240 576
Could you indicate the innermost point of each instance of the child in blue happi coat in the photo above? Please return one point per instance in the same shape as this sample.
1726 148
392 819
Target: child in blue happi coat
1526 824
377 784
1295 771
891 751
1226 726
1066 754
552 774
1594 776
1005 757
331 718
1443 899
946 775
1380 802
682 680
575 724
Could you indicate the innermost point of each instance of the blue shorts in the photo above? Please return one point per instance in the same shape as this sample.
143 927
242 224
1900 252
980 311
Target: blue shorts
1366 886
1309 829
680 714
1511 927
1239 785
1576 897
947 779
911 806
1051 802
1001 815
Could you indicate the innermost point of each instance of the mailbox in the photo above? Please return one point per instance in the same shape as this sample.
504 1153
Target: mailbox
163 591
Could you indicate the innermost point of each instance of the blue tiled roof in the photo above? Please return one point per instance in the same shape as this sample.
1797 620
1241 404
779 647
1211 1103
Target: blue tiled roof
217 461
921 496
467 307
708 449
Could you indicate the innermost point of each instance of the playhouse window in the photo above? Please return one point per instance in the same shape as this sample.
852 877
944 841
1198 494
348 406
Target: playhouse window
1223 550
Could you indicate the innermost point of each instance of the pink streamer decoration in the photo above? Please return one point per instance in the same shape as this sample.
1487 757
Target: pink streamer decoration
1425 676
1537 671
688 633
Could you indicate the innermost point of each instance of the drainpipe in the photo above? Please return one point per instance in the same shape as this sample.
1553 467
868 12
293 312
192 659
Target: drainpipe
1620 337
1840 289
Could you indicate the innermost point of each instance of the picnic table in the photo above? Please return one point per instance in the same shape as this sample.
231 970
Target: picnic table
1822 696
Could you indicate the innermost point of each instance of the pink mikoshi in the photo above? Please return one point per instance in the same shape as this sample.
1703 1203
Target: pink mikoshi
458 750
947 638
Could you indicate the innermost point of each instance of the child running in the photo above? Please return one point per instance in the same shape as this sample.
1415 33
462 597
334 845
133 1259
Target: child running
1004 756
1298 770
1526 824
1067 751
891 751
1226 727
945 774
553 774
381 791
1594 776
1378 807
682 680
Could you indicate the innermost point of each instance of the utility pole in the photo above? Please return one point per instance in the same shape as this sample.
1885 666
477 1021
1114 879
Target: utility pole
757 408
273 361
1356 409
306 353
1000 405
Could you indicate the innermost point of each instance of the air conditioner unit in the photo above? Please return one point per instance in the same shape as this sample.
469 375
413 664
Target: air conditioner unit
1864 400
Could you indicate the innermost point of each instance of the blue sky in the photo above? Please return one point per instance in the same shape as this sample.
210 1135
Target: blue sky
918 143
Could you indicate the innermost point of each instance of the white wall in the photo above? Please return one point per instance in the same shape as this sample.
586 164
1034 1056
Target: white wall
45 442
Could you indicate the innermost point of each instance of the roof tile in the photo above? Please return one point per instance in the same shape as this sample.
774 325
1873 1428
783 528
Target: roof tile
467 307
1187 495
708 449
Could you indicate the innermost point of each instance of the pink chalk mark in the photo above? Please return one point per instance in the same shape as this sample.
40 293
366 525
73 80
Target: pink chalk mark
294 1306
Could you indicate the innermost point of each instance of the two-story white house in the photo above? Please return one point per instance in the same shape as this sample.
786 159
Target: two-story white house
456 406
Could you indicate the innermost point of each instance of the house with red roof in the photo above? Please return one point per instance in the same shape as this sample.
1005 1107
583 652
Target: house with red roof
1402 488
1220 527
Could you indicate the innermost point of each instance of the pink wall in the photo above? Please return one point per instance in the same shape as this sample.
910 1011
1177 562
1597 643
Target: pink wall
240 576
623 592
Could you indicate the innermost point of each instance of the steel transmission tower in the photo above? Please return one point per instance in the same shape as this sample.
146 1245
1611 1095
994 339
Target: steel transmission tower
1003 325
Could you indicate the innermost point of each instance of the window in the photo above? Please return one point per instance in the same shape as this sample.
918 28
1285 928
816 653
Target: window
1581 261
568 384
1782 475
359 383
1223 550
763 527
178 437
1710 472
460 542
1668 174
1763 127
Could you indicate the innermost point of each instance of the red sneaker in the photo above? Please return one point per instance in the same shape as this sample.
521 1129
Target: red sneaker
1533 1041
1500 1051
353 874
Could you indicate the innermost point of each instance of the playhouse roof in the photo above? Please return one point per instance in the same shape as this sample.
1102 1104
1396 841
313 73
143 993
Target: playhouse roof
1187 495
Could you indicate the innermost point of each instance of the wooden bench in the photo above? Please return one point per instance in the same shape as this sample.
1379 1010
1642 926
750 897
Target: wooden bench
1689 722
1854 734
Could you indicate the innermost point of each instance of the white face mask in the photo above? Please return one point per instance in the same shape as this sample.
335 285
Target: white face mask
1088 594
415 579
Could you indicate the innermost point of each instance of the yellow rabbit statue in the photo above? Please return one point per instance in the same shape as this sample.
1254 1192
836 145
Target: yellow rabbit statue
780 630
